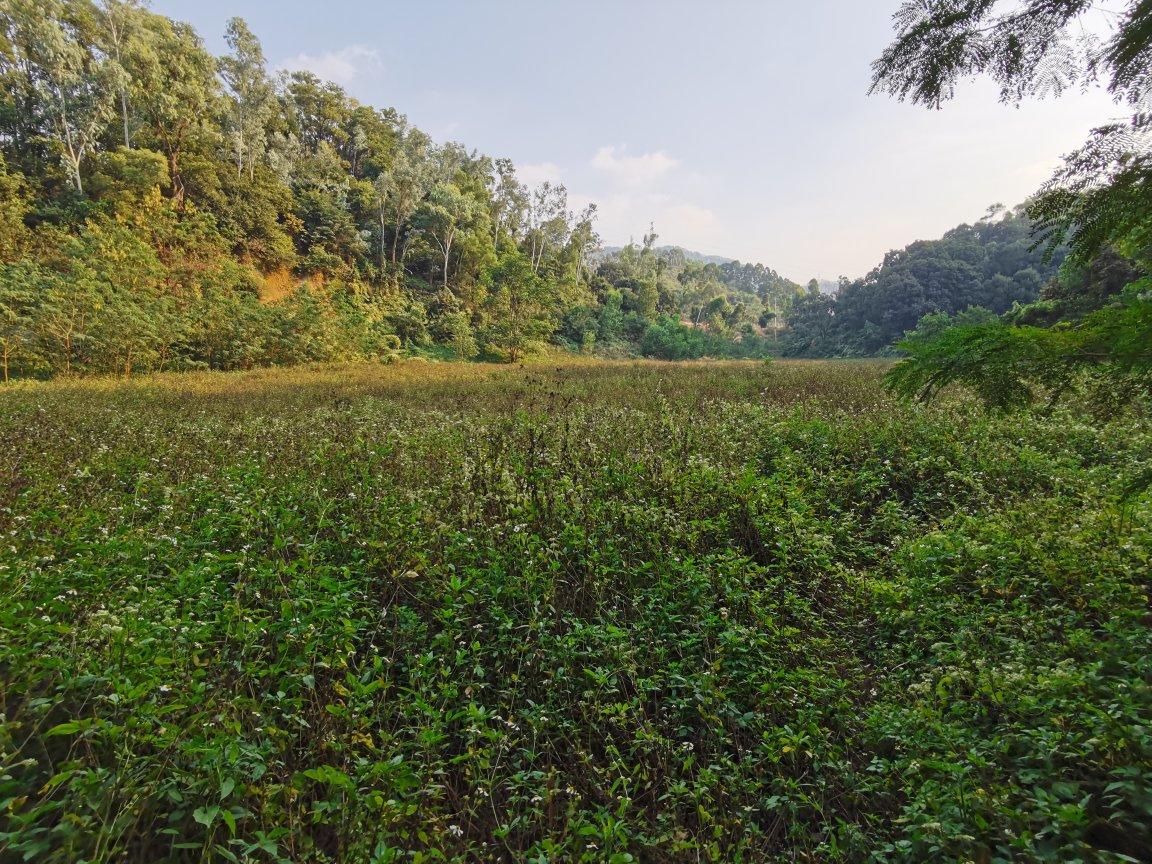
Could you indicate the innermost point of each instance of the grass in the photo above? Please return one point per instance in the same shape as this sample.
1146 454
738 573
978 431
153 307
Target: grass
601 612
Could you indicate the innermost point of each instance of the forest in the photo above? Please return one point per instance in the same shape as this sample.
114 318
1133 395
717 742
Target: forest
991 266
166 209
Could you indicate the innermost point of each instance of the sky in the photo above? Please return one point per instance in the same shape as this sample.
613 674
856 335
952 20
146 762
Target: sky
740 128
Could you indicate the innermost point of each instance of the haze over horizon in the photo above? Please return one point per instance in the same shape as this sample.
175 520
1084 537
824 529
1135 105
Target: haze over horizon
739 129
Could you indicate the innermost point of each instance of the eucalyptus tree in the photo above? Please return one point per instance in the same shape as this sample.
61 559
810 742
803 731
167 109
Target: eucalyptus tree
69 82
546 221
446 212
509 201
412 176
251 96
121 33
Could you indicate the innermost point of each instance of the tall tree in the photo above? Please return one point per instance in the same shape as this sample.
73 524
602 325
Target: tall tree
411 177
121 34
509 201
68 77
174 83
446 212
546 221
251 97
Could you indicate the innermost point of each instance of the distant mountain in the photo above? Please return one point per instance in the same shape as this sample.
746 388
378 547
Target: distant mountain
689 255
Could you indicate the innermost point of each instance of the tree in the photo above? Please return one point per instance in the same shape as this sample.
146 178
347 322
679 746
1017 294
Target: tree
445 212
453 326
519 308
14 204
174 84
126 177
64 311
991 263
409 181
509 201
121 34
1100 199
813 327
251 97
17 313
546 221
67 76
318 111
164 207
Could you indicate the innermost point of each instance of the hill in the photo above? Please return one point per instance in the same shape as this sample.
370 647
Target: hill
689 255
201 213
990 264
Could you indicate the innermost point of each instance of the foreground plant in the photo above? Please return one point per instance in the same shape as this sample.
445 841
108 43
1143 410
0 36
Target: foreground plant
594 612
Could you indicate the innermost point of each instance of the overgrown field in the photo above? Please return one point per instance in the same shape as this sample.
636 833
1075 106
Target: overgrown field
587 612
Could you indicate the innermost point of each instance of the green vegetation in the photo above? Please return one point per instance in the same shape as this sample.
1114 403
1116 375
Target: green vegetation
581 610
1093 325
590 612
990 265
164 209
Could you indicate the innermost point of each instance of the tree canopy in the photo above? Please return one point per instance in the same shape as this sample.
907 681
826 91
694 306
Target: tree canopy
163 208
991 264
1094 326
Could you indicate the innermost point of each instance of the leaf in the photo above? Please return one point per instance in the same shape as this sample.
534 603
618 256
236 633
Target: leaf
62 777
330 775
205 815
226 787
69 728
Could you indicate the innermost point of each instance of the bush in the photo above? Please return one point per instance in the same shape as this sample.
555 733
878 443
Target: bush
581 611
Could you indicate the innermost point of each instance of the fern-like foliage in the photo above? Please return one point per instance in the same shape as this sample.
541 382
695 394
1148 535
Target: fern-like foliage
1027 48
1107 355
1102 195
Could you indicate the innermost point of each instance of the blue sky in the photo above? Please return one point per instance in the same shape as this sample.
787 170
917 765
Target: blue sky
739 127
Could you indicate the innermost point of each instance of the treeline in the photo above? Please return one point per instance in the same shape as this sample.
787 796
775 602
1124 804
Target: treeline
990 266
658 303
162 208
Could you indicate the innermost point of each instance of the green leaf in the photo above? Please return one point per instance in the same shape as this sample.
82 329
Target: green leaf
205 815
69 728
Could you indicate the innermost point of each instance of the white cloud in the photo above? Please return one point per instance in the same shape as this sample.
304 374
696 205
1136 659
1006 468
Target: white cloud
628 214
540 172
633 170
342 66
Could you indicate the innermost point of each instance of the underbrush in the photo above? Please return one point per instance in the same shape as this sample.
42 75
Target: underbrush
600 612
